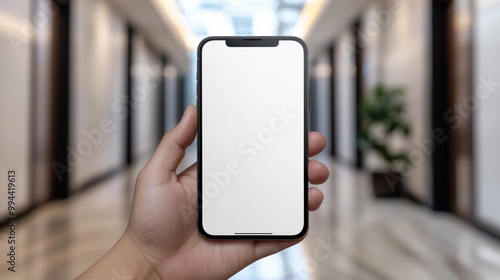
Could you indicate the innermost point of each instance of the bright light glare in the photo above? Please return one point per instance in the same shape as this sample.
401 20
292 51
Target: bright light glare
173 17
310 13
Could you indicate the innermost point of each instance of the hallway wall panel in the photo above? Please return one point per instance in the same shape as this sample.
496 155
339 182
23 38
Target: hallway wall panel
98 106
345 105
486 128
171 96
373 34
15 99
46 56
322 74
406 63
146 80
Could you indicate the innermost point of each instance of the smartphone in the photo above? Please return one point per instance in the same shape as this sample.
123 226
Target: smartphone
252 138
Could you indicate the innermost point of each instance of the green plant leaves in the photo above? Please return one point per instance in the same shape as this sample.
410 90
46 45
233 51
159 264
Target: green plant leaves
383 108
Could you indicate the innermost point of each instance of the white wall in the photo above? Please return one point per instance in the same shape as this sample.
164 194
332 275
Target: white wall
171 96
486 127
15 98
345 99
406 62
373 34
97 61
322 72
146 82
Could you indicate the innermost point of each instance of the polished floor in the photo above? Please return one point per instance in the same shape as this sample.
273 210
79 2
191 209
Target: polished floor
352 237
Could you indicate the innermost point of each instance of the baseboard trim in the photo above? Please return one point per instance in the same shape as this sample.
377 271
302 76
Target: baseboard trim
99 179
487 228
83 187
88 185
411 197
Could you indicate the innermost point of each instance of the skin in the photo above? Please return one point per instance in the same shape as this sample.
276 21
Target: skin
162 240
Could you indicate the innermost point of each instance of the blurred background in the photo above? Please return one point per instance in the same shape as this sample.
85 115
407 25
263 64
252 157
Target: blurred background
406 92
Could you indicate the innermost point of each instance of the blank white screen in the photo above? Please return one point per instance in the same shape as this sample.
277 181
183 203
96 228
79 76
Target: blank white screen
253 139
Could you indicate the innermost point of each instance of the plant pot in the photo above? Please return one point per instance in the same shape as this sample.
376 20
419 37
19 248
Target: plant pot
387 184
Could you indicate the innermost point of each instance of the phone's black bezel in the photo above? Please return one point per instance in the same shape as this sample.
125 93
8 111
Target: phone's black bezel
252 41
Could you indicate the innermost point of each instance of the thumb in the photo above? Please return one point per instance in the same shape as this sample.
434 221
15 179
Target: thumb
172 147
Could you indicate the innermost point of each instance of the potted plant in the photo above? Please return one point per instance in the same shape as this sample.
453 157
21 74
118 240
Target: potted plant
381 117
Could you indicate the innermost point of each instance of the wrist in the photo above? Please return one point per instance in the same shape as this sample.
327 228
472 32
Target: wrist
124 261
136 262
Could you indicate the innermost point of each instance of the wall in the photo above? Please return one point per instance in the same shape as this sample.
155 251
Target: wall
146 81
345 99
171 97
322 71
406 62
98 63
461 89
44 100
485 122
16 33
373 38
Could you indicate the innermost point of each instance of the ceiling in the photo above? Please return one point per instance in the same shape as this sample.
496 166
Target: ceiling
241 17
336 16
176 26
318 22
150 19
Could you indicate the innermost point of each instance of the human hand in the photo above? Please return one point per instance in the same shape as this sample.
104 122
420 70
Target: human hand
162 232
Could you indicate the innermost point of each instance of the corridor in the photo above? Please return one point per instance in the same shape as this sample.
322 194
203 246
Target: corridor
406 94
